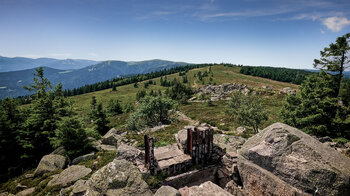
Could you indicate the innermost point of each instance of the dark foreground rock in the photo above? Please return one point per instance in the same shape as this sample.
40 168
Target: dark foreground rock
282 160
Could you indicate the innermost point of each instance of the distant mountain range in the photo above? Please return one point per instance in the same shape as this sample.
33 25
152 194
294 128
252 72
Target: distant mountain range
11 83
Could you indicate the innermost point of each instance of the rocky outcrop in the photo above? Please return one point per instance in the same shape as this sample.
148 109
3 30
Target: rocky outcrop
205 189
282 160
83 158
168 191
50 163
220 92
69 175
289 91
119 177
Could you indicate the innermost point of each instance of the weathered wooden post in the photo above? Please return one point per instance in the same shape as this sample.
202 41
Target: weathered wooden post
189 142
149 153
147 149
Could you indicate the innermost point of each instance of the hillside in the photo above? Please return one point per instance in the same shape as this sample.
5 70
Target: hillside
199 111
11 83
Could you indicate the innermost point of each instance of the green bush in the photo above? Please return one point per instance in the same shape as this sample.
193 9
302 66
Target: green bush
151 111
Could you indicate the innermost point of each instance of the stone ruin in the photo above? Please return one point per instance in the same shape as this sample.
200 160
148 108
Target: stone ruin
173 159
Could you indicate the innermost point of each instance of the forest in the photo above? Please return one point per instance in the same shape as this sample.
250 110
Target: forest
295 76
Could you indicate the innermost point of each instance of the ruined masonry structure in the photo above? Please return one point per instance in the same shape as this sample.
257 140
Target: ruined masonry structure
171 160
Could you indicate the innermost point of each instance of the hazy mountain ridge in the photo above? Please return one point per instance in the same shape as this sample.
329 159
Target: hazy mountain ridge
11 83
22 63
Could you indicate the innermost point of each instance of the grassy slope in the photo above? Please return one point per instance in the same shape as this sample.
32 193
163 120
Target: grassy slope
199 111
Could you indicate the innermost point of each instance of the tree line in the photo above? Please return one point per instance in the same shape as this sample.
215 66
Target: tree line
295 76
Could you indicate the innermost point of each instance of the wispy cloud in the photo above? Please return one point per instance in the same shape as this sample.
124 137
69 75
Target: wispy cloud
336 23
247 13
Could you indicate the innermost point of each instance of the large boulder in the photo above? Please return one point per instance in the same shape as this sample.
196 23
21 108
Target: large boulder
119 177
112 137
50 163
129 153
282 160
70 175
168 191
205 189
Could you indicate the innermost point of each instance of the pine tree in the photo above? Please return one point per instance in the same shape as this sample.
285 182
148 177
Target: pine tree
101 120
114 107
10 150
41 123
98 116
70 135
335 58
316 109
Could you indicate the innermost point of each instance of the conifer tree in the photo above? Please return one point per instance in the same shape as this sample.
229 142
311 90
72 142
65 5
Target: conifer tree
335 58
41 123
10 150
316 109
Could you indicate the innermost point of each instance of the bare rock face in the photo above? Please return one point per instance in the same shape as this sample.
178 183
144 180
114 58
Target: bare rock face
205 189
282 160
168 191
50 163
70 175
119 177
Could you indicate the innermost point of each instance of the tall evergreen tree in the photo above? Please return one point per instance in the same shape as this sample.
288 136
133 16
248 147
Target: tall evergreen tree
41 123
98 116
335 58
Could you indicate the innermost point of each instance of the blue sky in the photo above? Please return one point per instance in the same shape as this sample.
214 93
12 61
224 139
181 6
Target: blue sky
284 33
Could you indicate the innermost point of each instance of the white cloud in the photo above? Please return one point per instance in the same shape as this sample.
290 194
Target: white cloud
336 23
322 31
